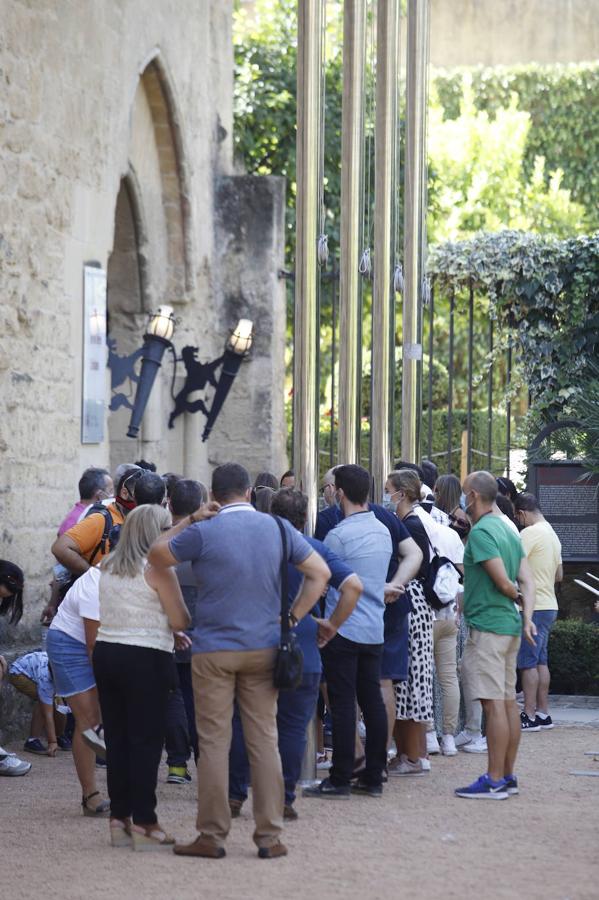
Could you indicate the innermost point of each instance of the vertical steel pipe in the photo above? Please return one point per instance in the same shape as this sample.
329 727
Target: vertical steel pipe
383 295
450 379
431 348
470 373
414 224
490 400
309 112
352 164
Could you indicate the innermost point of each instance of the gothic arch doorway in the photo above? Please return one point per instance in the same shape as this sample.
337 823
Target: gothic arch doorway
150 263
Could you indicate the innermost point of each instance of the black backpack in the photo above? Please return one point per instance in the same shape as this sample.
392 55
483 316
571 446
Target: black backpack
110 534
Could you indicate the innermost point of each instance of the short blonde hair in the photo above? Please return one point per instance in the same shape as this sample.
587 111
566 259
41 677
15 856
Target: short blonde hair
406 480
142 527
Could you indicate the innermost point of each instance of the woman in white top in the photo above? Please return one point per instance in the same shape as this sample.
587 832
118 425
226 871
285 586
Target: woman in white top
140 608
70 641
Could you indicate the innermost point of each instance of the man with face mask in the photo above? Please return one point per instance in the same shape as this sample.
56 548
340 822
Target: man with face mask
496 578
82 545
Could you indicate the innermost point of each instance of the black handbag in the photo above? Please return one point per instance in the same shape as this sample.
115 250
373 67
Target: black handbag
289 664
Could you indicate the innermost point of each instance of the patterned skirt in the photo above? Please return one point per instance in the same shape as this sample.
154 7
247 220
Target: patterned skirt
414 697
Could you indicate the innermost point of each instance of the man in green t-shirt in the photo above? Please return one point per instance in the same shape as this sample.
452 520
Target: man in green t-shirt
496 577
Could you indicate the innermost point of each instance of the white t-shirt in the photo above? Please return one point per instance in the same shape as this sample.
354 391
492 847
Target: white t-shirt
445 540
81 602
447 543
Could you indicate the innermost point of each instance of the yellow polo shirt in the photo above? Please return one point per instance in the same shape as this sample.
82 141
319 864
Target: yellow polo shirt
544 553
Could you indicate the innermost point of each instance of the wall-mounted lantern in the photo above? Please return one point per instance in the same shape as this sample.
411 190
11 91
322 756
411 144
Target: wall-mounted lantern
156 339
237 348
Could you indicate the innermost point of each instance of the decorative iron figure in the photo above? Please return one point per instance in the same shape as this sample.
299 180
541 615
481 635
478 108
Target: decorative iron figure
198 376
121 369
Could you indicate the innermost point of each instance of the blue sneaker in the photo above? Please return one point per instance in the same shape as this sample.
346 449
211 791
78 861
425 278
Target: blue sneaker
484 789
511 785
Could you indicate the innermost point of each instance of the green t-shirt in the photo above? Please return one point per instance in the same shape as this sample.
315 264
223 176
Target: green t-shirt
485 607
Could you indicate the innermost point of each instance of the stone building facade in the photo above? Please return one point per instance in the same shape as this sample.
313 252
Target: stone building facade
116 151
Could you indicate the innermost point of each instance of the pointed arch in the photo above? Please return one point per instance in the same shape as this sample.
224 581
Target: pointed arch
174 172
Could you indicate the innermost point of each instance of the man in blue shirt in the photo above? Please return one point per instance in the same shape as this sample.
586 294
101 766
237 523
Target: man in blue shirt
296 708
236 558
352 659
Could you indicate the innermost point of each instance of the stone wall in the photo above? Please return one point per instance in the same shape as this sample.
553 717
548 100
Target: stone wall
508 32
131 101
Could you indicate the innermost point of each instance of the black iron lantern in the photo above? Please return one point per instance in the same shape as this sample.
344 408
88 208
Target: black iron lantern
237 348
156 340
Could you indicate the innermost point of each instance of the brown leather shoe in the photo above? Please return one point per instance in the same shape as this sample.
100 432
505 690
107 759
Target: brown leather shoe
290 813
273 852
235 807
200 847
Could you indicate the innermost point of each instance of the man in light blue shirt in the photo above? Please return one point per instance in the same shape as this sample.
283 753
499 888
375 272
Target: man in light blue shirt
352 659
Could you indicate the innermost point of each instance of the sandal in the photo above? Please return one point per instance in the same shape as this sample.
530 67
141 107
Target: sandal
102 808
120 833
151 837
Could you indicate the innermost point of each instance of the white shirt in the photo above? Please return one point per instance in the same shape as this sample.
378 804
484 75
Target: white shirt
81 602
446 542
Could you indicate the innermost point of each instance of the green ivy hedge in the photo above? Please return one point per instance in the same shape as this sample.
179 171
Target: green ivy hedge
439 442
574 658
563 102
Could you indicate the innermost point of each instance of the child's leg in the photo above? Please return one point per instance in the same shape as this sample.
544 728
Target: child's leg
37 729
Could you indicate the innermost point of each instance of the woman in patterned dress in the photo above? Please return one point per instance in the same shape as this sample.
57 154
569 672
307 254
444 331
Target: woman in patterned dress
414 696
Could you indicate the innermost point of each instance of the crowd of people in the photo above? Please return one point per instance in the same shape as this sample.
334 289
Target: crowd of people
164 631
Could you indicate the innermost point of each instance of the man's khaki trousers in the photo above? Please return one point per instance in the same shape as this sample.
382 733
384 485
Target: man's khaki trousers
219 678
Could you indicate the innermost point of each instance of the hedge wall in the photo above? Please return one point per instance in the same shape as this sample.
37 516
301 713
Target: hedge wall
563 102
574 658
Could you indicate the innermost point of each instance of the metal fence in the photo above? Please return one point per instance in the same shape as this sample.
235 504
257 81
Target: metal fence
468 418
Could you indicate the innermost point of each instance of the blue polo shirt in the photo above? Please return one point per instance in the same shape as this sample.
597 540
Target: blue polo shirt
330 517
364 544
236 561
306 631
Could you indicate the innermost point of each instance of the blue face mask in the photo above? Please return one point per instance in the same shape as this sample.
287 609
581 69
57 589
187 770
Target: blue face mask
463 501
389 503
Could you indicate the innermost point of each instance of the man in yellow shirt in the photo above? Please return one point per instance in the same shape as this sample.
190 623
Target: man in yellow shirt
544 553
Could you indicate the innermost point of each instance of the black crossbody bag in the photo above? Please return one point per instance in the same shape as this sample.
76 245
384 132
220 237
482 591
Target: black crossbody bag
289 664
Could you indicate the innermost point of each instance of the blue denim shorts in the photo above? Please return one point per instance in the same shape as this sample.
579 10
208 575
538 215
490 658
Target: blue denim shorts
71 669
530 657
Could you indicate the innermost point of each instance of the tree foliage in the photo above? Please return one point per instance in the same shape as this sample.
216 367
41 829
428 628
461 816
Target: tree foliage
545 294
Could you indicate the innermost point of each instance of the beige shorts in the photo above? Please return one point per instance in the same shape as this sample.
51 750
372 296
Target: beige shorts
489 665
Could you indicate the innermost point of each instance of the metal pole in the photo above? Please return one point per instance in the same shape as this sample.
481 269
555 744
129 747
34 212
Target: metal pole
352 154
305 399
383 325
414 218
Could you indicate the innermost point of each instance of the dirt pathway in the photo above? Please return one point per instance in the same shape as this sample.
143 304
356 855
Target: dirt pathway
417 843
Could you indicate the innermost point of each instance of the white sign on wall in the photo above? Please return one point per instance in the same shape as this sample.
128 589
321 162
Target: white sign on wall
94 355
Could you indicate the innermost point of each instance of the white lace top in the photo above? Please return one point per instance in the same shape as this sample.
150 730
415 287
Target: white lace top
131 613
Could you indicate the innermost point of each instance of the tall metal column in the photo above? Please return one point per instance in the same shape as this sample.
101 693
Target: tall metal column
383 297
352 157
305 400
414 224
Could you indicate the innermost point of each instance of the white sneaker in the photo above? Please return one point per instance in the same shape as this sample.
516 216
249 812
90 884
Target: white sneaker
94 738
448 747
405 767
426 764
476 746
323 762
11 765
432 743
465 737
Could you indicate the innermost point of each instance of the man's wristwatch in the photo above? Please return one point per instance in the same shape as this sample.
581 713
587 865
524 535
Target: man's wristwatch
293 619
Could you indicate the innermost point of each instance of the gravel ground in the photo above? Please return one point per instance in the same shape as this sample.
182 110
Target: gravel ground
417 842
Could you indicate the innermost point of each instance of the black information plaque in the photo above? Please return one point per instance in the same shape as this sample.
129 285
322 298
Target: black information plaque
569 499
